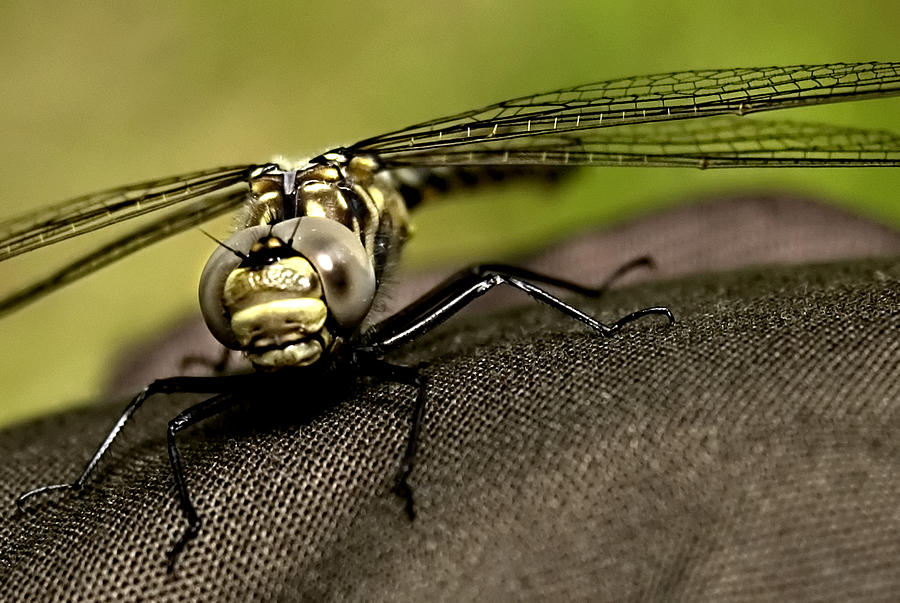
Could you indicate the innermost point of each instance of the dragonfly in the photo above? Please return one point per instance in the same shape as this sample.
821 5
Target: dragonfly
294 287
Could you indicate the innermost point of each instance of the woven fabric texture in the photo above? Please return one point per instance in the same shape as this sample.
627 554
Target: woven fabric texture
750 451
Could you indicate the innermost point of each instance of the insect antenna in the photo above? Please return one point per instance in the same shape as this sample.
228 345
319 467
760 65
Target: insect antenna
243 256
290 241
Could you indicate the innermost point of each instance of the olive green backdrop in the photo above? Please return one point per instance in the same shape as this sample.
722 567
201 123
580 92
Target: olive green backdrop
96 96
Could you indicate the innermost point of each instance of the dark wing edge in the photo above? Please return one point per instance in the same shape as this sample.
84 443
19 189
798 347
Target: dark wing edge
654 98
202 210
90 212
717 142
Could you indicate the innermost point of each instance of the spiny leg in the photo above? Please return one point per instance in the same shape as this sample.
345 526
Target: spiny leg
376 367
439 305
536 277
161 386
460 290
185 419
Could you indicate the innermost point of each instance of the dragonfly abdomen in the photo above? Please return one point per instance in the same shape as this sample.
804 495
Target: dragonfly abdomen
419 185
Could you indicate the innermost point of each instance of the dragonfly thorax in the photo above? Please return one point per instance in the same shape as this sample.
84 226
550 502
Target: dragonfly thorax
347 192
283 294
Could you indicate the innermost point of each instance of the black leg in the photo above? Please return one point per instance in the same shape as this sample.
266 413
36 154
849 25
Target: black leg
536 277
446 300
173 385
442 303
408 375
185 419
457 292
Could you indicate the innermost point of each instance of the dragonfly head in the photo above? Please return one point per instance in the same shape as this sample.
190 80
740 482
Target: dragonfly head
282 293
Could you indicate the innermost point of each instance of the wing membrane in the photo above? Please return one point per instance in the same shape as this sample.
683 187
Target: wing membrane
97 210
183 218
635 100
567 127
723 141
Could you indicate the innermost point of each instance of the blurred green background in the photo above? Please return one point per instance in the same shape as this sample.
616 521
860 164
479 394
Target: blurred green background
102 94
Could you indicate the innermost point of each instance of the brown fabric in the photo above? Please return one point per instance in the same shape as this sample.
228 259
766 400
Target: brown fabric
748 452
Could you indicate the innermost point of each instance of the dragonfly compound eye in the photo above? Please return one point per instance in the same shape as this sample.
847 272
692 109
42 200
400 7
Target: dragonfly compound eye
304 268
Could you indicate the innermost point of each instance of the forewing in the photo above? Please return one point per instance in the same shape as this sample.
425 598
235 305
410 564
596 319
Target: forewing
635 100
181 219
97 210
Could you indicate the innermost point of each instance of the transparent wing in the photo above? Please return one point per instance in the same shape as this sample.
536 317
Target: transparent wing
172 223
97 210
723 141
635 100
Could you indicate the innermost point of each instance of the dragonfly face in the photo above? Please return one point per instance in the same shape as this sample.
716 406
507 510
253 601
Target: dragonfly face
277 312
282 294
